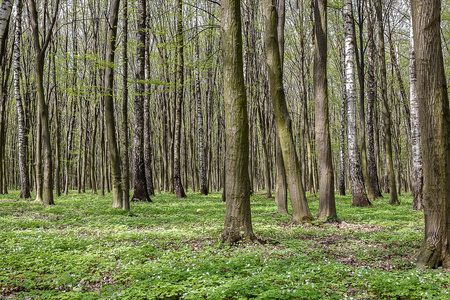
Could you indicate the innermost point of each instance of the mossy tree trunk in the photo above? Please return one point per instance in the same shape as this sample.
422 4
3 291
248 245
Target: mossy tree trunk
393 198
327 204
238 224
434 115
300 209
110 122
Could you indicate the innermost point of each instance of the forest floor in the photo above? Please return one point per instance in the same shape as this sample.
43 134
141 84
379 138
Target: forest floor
170 249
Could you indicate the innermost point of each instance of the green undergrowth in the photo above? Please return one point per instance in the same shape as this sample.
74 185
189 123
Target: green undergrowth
170 249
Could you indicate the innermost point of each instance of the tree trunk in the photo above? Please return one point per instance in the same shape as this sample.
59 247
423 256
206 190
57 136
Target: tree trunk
435 132
371 81
125 158
238 224
201 147
140 182
24 183
109 106
416 150
178 186
327 204
301 212
357 181
393 199
342 144
40 52
147 128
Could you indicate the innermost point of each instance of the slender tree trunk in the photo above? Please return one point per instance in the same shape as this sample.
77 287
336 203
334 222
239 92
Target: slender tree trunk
393 199
238 224
327 204
40 48
109 106
147 128
342 144
435 132
416 150
201 148
301 212
125 158
178 186
371 81
24 183
362 116
357 181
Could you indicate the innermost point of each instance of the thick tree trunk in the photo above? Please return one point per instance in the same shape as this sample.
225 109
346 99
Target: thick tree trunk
327 204
238 224
140 182
301 212
24 183
109 106
178 186
435 132
357 181
393 199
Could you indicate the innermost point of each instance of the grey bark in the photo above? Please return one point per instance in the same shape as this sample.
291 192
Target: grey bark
357 181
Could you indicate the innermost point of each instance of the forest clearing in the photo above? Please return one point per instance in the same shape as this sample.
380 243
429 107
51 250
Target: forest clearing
170 249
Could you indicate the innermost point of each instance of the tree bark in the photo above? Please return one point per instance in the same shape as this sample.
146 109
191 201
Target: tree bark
393 198
140 182
125 158
40 49
371 82
301 212
238 224
110 123
357 181
435 132
416 150
327 204
24 183
201 147
178 186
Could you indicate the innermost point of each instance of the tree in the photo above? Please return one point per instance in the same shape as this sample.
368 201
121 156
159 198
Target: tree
24 182
300 209
238 223
140 182
179 190
372 93
109 105
358 188
198 93
40 48
125 164
393 198
434 115
327 205
416 150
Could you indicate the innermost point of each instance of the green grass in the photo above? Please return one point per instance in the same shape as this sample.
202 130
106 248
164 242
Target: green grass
170 249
